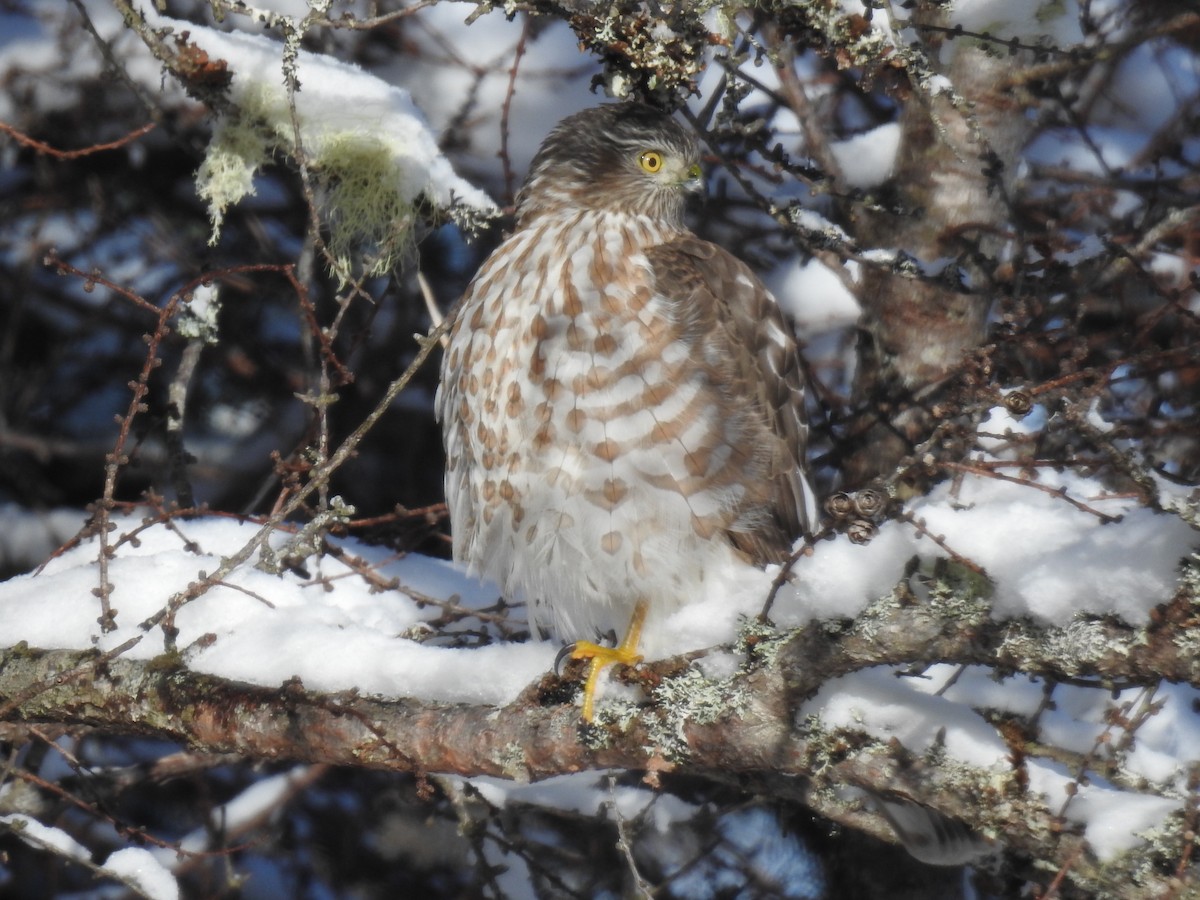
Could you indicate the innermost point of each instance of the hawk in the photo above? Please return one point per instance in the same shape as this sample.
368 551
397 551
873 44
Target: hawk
621 402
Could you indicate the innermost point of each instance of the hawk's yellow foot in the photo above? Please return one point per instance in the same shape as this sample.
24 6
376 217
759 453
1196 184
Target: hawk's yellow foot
601 658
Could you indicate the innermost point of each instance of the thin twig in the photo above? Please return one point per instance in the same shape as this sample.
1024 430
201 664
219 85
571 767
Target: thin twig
510 177
1060 492
41 147
431 305
919 524
317 477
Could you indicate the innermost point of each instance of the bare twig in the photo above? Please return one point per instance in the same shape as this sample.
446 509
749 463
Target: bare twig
41 147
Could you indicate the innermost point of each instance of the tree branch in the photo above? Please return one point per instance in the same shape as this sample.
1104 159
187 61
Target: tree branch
755 739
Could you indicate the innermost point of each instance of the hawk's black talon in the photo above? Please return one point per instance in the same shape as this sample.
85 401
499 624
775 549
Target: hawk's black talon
564 653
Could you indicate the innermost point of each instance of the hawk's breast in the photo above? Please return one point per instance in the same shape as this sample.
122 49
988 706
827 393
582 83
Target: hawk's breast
585 445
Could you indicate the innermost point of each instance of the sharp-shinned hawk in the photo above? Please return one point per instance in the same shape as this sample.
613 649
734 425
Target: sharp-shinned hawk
621 401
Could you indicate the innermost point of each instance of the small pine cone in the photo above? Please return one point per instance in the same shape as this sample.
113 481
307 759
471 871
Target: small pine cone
870 502
840 505
861 531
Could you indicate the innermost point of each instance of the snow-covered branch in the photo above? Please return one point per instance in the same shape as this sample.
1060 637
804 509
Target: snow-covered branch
740 715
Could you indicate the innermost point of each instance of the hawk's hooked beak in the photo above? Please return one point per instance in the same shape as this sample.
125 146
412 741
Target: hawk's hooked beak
689 178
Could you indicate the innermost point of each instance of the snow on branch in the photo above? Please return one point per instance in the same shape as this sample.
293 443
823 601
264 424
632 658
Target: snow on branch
378 169
345 666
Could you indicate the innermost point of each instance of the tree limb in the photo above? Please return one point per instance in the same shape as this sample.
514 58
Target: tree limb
756 740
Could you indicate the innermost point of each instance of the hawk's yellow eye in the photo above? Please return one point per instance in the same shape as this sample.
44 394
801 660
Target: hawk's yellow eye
651 162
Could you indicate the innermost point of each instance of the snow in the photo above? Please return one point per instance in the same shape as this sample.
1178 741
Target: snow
269 628
259 800
866 160
1170 269
1021 695
1030 20
1049 559
45 836
841 578
1114 820
889 707
380 110
729 597
1164 738
377 154
1052 561
366 143
139 868
32 535
814 297
811 220
131 865
1077 717
336 631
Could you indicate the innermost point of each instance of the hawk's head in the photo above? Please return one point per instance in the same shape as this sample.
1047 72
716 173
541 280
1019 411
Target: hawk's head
625 157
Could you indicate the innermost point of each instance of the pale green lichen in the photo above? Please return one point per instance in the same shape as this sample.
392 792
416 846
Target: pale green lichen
513 763
614 716
198 320
880 611
307 542
691 697
662 53
243 141
820 754
700 699
1190 576
1019 640
1188 642
366 214
957 592
1081 641
1145 864
238 149
1074 647
356 175
759 641
1187 508
1188 639
418 633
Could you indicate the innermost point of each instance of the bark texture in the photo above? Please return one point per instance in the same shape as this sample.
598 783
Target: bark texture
745 731
949 192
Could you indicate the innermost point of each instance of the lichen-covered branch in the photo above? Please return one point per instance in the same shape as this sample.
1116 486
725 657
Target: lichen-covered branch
746 729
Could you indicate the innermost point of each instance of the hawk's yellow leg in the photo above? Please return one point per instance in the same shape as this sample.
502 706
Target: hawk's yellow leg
601 658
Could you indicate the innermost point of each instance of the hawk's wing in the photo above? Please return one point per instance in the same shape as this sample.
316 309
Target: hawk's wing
730 313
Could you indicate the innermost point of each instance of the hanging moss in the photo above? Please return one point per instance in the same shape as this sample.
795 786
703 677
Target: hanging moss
239 147
367 215
361 201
